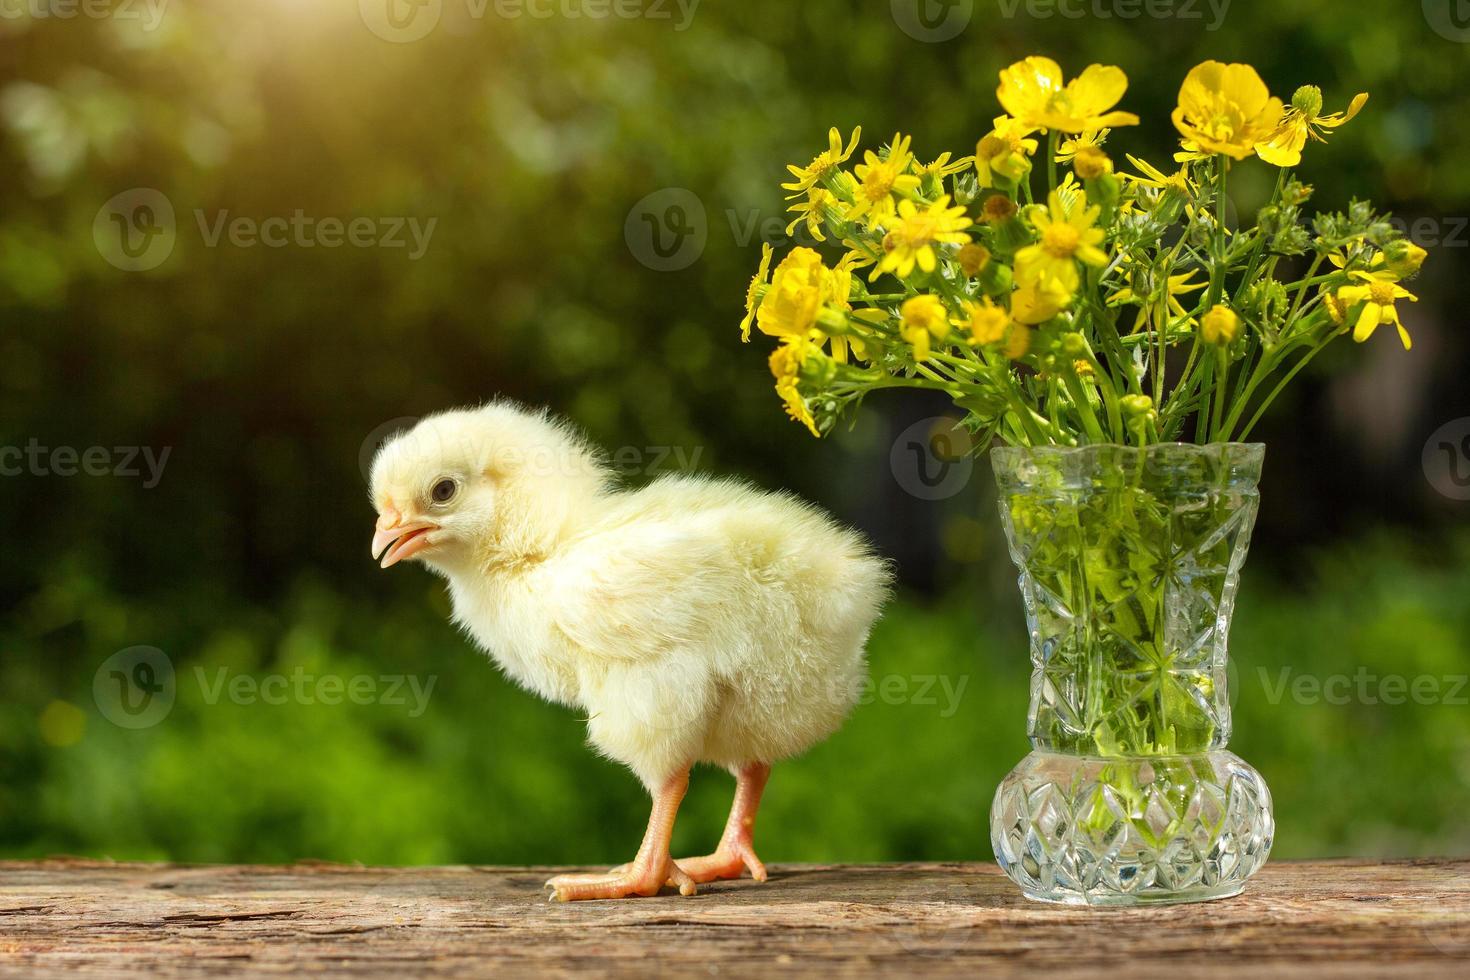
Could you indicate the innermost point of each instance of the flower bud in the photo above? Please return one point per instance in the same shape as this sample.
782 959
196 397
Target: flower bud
1136 405
996 279
973 258
1220 326
1307 100
997 207
1074 344
1403 257
818 369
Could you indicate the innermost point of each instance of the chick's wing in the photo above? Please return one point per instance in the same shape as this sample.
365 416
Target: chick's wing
640 591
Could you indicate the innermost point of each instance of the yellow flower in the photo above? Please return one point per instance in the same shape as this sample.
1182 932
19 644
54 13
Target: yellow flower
813 211
1033 92
754 290
920 318
839 298
1336 308
1004 151
1036 300
1226 109
1072 144
1086 155
1067 235
879 179
786 362
941 167
988 322
1303 119
824 164
1180 285
791 303
1377 292
1151 176
1090 163
912 240
1219 326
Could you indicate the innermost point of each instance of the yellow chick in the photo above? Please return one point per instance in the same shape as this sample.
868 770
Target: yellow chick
692 620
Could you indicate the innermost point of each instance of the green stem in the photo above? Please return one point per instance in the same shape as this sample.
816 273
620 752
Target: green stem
1245 433
1051 160
1084 406
1222 383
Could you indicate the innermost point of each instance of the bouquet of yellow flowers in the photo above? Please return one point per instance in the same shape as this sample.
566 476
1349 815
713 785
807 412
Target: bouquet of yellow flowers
1089 303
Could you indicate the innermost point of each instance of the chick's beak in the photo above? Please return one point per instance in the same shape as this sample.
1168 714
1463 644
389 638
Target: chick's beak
397 539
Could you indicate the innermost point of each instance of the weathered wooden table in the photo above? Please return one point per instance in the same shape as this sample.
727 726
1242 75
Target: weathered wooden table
84 918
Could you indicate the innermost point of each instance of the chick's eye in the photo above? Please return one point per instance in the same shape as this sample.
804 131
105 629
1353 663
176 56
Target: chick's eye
443 490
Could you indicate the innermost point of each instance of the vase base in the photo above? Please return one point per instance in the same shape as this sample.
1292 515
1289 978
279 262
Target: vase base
1127 831
1116 900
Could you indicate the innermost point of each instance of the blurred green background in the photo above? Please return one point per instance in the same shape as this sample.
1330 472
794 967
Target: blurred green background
530 141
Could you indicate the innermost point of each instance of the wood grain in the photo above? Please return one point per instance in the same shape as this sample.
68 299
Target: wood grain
1345 918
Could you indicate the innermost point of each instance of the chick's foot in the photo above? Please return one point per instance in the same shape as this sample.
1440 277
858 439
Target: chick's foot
736 852
634 879
730 860
647 872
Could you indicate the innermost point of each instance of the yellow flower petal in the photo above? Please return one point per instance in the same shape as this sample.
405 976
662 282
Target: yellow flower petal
1367 322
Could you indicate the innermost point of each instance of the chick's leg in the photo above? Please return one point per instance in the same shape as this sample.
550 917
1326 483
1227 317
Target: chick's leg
736 852
647 872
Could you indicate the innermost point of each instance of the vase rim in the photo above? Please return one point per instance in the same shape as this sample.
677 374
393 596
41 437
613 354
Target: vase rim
1177 447
1181 466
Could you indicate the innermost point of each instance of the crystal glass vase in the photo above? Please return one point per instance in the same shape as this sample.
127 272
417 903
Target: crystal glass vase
1129 561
